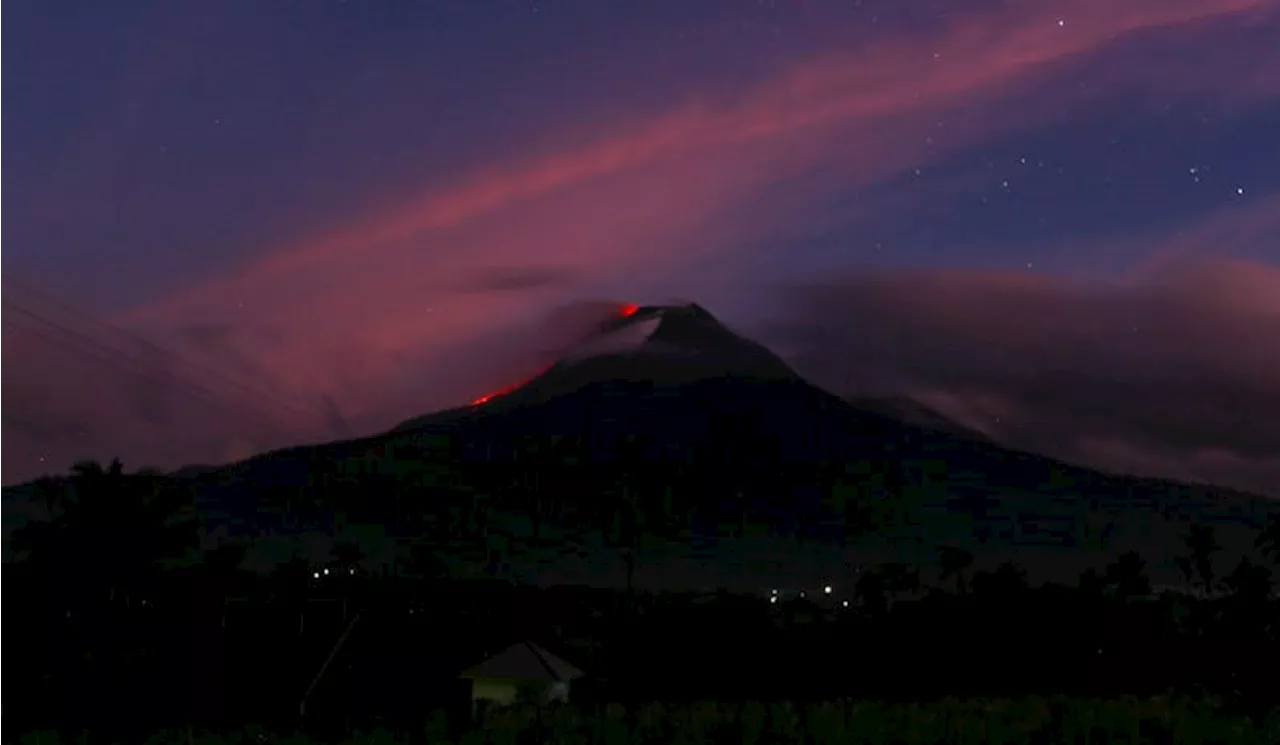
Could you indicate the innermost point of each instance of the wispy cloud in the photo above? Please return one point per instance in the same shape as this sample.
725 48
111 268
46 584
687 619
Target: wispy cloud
659 189
1173 376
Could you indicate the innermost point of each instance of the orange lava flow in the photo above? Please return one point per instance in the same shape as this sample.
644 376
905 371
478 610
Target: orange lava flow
509 389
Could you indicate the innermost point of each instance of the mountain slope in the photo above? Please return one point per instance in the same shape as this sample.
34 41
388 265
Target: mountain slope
701 456
910 411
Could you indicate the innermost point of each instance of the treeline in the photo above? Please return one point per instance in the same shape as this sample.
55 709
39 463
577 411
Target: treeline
119 622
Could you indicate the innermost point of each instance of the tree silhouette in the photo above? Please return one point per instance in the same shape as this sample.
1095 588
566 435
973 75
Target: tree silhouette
955 563
223 567
112 533
1092 582
93 573
1005 581
1250 586
346 554
872 592
1126 577
1185 568
1202 544
1269 539
1249 581
900 578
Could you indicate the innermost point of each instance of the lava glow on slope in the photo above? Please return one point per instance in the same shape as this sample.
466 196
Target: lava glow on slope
509 389
626 310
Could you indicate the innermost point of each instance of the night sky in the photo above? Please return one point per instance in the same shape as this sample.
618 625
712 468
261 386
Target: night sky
235 225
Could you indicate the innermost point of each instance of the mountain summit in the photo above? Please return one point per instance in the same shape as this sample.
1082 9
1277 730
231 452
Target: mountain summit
661 346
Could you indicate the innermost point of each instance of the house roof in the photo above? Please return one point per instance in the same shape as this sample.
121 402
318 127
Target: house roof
524 661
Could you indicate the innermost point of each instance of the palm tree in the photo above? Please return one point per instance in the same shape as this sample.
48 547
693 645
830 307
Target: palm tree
112 533
955 562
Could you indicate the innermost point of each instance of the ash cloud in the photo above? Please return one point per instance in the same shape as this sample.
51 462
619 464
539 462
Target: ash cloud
1178 376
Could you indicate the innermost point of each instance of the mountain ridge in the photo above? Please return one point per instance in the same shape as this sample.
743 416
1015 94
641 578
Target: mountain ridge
688 418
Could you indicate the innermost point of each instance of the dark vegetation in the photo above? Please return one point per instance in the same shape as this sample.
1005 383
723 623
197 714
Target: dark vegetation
119 623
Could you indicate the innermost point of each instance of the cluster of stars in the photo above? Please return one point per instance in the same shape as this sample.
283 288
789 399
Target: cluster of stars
1197 174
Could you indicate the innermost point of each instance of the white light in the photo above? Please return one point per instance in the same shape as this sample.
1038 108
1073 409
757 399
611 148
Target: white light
316 575
326 571
1240 190
774 591
802 593
827 589
844 603
351 571
773 599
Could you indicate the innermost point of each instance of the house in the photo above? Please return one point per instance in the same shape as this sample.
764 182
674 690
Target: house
521 672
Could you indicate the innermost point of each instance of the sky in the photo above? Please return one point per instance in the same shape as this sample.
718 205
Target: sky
239 225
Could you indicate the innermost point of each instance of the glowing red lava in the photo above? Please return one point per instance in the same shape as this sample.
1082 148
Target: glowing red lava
630 309
509 389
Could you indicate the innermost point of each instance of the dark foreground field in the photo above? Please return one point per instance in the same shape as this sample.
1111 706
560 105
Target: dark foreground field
989 721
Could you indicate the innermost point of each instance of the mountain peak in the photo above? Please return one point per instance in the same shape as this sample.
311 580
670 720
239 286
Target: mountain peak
666 345
660 345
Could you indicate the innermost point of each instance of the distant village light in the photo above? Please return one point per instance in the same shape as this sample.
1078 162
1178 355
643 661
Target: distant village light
827 589
326 571
844 603
316 575
773 599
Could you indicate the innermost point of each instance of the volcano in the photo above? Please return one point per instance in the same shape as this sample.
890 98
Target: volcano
692 447
656 348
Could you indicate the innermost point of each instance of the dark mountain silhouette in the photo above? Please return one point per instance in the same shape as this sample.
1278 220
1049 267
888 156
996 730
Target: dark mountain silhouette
909 410
666 443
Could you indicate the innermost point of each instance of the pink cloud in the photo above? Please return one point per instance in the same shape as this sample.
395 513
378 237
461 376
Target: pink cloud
372 310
